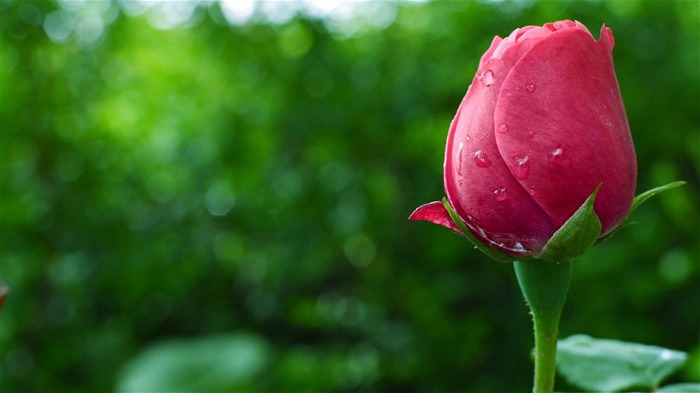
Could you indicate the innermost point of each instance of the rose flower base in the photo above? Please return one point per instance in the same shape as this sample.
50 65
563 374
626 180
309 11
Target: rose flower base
540 165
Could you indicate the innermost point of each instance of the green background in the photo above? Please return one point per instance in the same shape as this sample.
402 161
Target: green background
243 189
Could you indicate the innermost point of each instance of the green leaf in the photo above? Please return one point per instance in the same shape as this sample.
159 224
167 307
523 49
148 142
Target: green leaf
490 252
608 365
209 364
576 236
680 388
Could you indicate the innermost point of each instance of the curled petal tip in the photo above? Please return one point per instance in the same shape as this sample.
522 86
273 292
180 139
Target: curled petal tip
434 212
606 36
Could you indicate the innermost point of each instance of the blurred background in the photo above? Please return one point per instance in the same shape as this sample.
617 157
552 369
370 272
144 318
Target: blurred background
213 196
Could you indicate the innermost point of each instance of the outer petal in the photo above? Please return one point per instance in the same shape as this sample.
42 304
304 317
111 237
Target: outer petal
434 212
478 182
487 55
567 127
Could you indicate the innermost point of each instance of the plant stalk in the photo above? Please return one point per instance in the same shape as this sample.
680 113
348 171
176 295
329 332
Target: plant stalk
545 286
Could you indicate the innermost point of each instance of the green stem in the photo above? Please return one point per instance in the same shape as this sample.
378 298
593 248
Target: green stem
544 285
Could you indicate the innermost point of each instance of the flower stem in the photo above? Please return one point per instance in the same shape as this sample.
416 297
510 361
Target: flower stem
544 285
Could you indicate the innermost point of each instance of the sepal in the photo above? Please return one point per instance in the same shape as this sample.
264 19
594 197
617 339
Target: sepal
638 200
578 234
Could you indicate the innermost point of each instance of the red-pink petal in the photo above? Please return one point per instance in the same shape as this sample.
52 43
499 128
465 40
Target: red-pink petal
567 124
478 183
494 44
436 213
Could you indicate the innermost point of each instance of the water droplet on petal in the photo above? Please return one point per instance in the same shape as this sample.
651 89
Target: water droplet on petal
532 191
481 159
486 77
557 157
520 166
468 138
459 158
504 242
530 87
530 133
500 194
503 128
518 247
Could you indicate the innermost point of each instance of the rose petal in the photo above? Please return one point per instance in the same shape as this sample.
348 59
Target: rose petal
436 213
564 111
478 182
494 44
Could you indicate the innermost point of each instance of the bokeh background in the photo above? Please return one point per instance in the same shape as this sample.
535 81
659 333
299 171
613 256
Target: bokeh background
213 196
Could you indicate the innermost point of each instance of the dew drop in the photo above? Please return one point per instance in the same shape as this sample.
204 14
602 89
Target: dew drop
518 247
459 158
503 128
530 133
532 191
481 159
520 166
530 87
558 158
487 78
500 194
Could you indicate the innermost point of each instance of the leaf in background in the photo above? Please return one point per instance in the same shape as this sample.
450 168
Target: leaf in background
609 365
680 388
208 364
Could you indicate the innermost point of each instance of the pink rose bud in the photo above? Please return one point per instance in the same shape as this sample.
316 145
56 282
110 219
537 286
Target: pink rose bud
541 125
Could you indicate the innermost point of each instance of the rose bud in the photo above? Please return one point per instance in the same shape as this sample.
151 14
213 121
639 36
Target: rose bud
541 127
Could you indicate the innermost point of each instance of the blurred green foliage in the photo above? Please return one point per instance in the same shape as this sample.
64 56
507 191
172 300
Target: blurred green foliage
181 171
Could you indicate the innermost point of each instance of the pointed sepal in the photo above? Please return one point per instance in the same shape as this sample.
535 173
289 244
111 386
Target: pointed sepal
576 236
638 200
